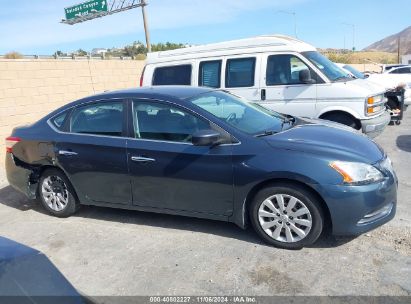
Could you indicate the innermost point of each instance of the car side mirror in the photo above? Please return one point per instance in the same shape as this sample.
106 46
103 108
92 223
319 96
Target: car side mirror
205 138
305 76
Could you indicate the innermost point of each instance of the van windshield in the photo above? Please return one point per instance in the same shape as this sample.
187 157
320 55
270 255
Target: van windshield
240 114
327 67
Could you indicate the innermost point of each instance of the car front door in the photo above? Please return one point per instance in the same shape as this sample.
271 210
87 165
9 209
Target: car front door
92 152
167 171
285 91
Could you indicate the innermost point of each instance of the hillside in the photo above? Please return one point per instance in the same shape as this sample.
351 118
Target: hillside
390 43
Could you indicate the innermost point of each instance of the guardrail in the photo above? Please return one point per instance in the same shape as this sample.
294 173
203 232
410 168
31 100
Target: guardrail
73 57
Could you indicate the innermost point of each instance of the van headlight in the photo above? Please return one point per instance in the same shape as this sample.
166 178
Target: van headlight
375 104
357 173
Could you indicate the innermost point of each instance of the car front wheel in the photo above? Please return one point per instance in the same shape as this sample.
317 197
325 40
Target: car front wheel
287 216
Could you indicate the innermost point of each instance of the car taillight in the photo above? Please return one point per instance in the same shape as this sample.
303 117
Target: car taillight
10 142
142 77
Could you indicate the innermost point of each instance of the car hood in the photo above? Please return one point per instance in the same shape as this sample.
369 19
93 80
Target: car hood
328 139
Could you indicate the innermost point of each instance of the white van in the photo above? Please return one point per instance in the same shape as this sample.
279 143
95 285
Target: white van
279 72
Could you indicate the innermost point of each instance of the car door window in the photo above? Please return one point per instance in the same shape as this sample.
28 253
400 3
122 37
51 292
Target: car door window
209 74
158 121
173 75
240 72
105 118
284 70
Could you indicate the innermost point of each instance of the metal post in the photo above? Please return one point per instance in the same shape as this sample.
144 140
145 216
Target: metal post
143 4
353 34
295 20
353 37
295 25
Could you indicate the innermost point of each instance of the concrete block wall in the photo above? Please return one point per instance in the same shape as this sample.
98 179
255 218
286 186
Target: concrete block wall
29 89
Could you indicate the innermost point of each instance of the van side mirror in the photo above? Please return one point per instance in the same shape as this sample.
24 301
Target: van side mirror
205 138
305 76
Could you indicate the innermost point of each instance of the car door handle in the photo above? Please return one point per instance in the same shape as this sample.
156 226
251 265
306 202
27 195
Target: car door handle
67 153
142 159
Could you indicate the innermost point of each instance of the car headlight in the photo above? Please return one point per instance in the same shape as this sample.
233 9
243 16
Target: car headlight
357 173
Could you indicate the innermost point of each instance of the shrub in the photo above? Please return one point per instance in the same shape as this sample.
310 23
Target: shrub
13 55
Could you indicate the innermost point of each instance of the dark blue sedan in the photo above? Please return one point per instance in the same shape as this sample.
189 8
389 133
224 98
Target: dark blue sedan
209 154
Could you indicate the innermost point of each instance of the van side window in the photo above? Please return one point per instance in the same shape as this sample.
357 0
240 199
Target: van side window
240 72
209 74
173 75
285 70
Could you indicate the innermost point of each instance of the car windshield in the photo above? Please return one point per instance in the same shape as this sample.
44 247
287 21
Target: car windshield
329 69
354 71
245 116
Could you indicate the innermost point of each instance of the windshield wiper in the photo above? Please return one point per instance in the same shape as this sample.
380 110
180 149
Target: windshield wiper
287 120
266 133
342 77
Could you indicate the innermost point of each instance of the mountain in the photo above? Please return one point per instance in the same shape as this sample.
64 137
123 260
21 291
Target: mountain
390 43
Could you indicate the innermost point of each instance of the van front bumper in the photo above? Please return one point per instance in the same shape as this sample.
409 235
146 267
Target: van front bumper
358 209
375 125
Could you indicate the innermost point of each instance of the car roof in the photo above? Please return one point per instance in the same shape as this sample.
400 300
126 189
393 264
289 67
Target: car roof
170 93
175 92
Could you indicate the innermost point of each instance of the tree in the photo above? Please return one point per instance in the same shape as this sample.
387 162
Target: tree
81 52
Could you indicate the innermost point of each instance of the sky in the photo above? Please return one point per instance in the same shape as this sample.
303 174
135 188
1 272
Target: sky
33 26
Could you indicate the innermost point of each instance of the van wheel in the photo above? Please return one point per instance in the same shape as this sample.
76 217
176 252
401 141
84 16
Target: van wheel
57 194
344 119
287 216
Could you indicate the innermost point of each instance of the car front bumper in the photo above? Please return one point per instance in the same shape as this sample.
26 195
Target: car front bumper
375 125
358 209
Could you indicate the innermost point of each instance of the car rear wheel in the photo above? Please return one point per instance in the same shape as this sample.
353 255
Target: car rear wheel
287 216
57 194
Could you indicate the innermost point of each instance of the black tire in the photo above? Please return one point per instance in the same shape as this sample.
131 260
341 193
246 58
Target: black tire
72 204
304 196
344 119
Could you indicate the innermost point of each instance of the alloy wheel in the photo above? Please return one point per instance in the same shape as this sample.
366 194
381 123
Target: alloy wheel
285 218
55 193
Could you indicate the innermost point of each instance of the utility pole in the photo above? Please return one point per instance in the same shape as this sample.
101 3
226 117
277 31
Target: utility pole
295 20
398 49
353 34
143 4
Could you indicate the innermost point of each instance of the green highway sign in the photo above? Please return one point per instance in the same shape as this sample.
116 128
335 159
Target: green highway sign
86 8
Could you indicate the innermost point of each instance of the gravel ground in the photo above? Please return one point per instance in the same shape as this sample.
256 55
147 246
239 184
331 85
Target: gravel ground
105 251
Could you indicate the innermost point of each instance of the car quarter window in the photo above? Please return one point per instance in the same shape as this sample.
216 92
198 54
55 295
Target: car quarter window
209 74
161 121
284 69
58 121
240 72
103 118
173 75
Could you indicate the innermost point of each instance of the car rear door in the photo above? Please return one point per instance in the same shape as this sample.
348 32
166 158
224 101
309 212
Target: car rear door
167 171
92 152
